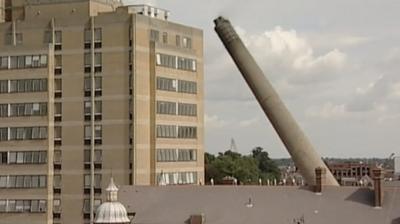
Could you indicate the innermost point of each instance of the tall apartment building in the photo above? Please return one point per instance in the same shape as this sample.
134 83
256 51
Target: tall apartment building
91 89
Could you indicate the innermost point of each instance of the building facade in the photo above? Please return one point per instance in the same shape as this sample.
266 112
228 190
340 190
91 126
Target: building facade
345 172
91 89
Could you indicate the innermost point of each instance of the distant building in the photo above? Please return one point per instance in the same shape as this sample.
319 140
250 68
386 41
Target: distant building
350 173
397 165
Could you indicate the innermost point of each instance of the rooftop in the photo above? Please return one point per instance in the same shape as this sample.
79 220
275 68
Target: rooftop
260 204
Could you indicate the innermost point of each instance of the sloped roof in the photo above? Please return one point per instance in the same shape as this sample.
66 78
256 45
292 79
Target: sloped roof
274 205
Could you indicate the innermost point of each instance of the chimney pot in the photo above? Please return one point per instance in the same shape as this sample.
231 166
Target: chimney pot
319 179
377 176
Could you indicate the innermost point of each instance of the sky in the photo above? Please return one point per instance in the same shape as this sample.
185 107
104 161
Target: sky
335 64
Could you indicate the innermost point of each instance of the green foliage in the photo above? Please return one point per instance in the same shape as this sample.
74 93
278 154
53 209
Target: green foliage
247 169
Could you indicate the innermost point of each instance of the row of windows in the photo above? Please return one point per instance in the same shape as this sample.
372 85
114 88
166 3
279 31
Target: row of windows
86 205
185 109
176 85
98 157
177 178
97 180
25 157
171 61
23 133
23 85
165 107
23 61
176 155
185 42
88 107
23 205
172 131
97 131
23 109
88 83
23 181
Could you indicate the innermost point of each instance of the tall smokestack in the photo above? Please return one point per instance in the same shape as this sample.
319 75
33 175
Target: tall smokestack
303 154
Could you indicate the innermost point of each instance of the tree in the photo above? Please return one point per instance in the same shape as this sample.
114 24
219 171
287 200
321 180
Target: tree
246 169
267 166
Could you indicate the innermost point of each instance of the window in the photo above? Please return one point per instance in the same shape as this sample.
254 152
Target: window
165 107
177 178
48 37
87 61
3 181
18 38
97 62
97 38
3 110
166 84
3 204
178 40
57 205
88 84
57 111
57 64
28 133
57 133
57 181
57 40
154 35
187 132
3 134
187 42
165 38
23 61
166 131
187 87
28 109
27 181
87 38
98 157
9 39
27 157
97 132
176 155
28 85
88 110
3 86
58 88
187 109
4 62
186 64
3 158
97 180
86 205
57 156
166 60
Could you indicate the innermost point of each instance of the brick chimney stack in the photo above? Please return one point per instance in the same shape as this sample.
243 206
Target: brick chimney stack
377 176
319 179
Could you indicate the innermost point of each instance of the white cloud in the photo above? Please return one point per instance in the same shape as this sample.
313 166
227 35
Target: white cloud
214 122
285 53
249 122
327 110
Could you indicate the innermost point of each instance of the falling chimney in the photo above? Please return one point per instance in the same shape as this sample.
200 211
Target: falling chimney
320 173
377 176
299 147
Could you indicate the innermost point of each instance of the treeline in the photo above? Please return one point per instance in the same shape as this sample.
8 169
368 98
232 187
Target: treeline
247 169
